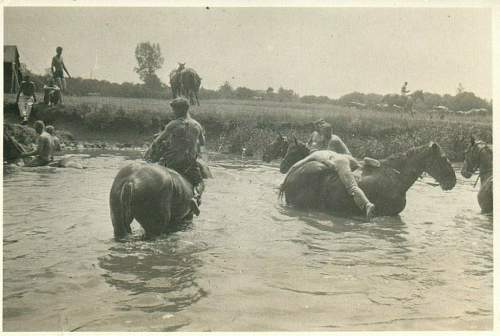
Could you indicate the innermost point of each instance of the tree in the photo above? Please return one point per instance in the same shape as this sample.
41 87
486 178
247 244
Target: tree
149 60
244 93
226 90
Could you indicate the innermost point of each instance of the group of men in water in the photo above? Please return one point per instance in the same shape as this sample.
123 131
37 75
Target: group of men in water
26 96
47 144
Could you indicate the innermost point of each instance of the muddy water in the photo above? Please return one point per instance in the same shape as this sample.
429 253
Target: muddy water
248 263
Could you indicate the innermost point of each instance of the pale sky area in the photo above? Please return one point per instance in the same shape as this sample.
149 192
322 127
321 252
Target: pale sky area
320 51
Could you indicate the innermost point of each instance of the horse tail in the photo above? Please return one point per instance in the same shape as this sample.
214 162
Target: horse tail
126 199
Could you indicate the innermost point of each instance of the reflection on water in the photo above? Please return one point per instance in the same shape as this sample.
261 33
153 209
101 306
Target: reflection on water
248 263
163 271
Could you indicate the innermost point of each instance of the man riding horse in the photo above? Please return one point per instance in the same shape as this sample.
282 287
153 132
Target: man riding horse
178 147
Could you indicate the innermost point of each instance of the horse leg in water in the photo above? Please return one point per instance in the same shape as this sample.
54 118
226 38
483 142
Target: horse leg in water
121 210
156 218
485 196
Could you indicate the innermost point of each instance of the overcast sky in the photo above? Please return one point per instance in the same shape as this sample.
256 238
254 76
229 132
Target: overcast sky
317 51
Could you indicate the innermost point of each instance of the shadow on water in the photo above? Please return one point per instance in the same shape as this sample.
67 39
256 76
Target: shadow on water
159 275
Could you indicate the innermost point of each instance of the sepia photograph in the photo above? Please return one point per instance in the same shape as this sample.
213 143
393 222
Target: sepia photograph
248 167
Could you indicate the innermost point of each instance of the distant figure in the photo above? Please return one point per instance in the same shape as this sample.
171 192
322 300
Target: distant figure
179 146
404 89
57 143
25 99
58 68
52 93
45 147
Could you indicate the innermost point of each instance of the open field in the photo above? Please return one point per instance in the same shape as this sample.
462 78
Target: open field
233 124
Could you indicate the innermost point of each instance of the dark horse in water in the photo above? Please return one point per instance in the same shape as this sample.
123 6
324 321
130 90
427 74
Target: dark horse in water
276 149
157 197
479 155
316 186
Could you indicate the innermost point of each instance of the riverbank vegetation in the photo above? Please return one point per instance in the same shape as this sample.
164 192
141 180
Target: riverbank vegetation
232 125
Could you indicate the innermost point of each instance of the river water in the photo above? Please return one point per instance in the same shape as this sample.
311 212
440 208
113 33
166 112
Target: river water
248 263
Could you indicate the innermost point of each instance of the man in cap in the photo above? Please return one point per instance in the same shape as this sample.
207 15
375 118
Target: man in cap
178 147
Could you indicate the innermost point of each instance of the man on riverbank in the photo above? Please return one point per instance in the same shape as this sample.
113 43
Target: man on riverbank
45 147
25 99
58 68
178 147
404 89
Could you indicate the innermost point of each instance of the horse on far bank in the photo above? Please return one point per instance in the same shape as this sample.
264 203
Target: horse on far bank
316 186
403 103
479 155
185 82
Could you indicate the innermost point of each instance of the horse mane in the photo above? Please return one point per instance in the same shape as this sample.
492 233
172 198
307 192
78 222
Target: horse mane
403 155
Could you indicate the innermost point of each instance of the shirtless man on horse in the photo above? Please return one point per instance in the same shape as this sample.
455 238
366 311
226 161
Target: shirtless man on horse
330 150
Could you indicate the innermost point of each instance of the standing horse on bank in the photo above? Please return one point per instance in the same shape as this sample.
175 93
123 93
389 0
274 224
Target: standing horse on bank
403 103
190 85
316 186
479 155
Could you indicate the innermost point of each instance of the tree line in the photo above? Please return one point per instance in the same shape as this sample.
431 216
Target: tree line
150 60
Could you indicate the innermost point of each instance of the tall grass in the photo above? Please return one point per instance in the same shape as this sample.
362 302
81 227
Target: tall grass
232 124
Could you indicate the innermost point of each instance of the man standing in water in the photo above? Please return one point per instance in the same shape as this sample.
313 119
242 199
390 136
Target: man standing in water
57 67
26 98
44 149
178 147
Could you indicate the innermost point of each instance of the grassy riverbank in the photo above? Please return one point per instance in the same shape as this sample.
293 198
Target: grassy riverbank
232 124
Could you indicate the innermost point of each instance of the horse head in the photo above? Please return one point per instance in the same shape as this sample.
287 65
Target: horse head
437 165
296 151
276 149
472 160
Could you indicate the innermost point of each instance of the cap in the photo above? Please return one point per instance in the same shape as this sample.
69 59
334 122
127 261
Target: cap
179 102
